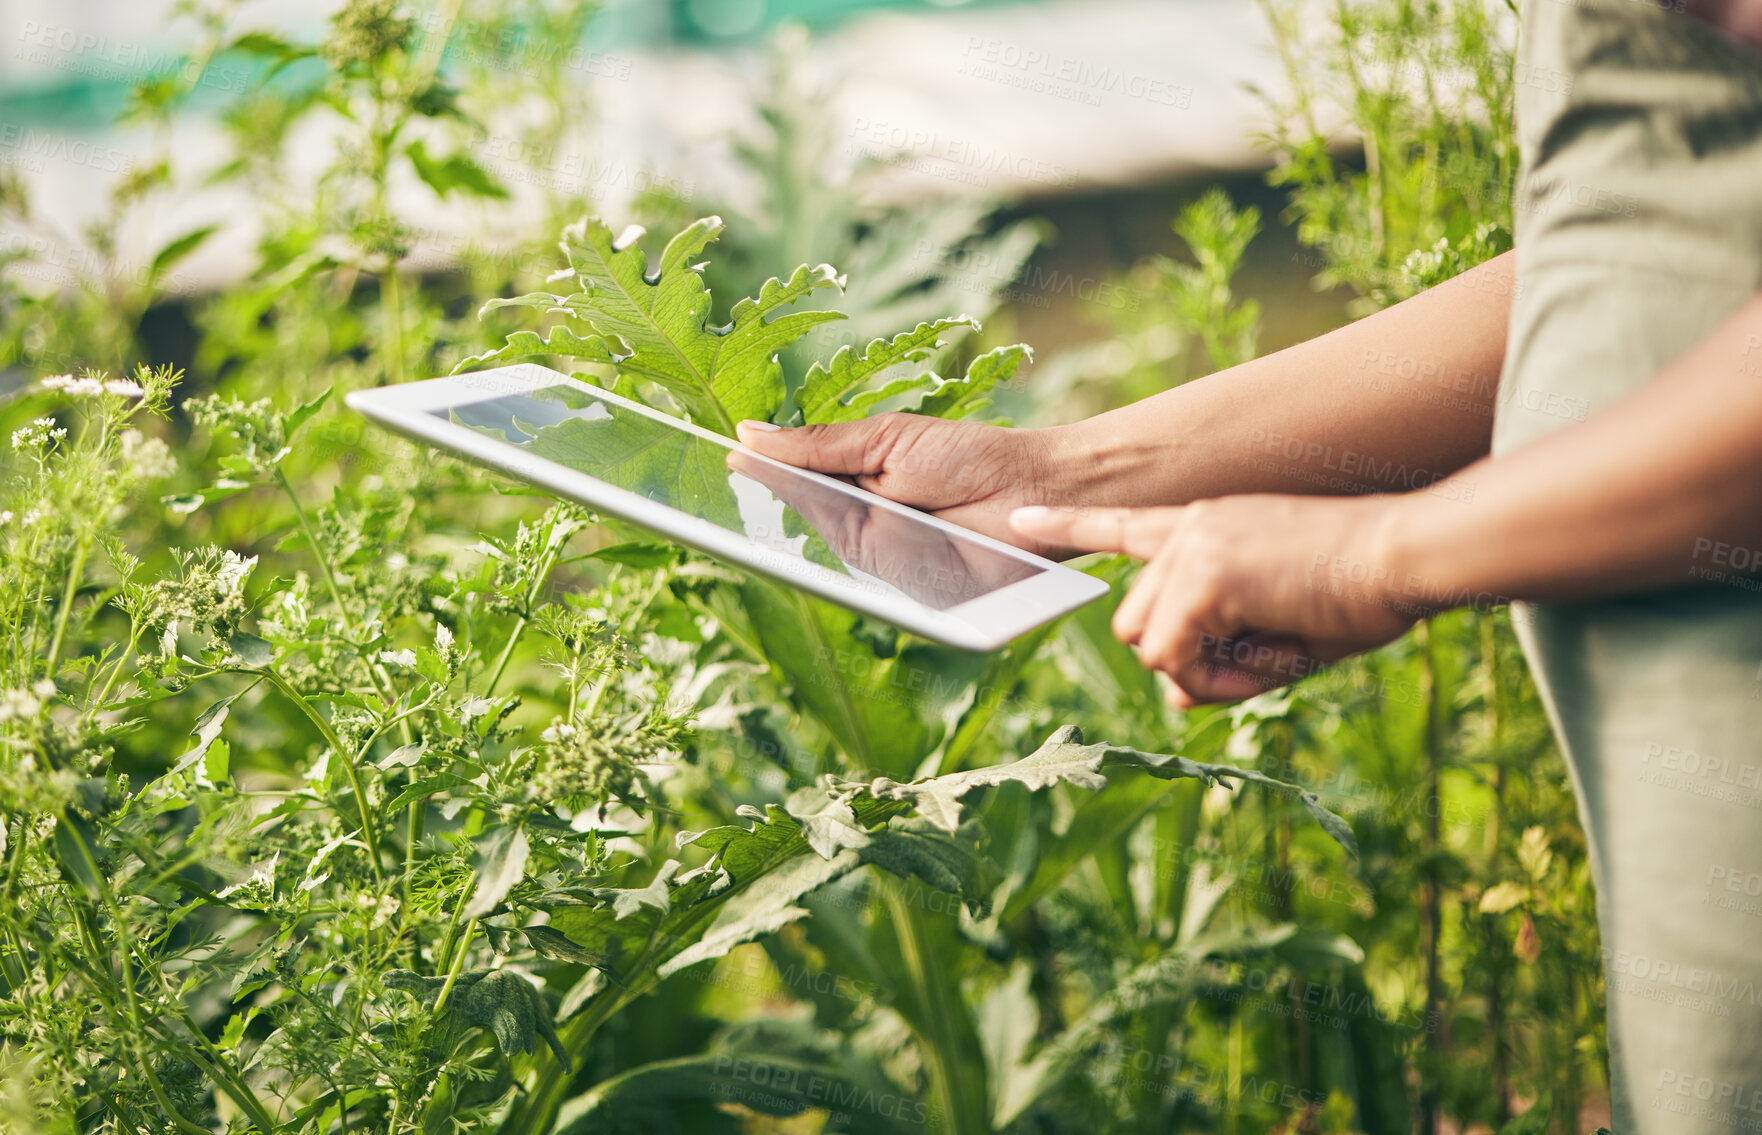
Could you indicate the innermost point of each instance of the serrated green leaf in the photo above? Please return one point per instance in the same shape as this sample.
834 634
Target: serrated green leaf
1064 757
249 650
562 341
428 786
944 862
507 1005
824 392
718 375
762 909
963 397
208 725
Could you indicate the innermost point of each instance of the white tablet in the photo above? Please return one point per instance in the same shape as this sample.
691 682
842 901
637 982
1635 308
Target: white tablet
709 492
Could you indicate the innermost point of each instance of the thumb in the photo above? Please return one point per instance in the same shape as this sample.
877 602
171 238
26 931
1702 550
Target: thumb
1138 532
840 448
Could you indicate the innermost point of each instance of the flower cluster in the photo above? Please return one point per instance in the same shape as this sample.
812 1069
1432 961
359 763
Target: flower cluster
90 386
207 594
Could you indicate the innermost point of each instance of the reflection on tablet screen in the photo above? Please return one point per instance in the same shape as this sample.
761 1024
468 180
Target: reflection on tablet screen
783 512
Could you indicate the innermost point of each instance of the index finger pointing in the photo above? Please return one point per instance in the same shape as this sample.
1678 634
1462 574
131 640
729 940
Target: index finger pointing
1138 532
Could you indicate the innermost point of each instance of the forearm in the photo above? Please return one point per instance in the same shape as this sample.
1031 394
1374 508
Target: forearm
1392 401
1664 487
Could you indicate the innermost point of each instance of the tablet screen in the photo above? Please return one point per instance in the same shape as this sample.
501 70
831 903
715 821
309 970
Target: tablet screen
794 517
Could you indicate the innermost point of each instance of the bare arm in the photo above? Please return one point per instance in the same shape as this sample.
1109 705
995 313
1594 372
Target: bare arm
1243 592
1664 487
1390 402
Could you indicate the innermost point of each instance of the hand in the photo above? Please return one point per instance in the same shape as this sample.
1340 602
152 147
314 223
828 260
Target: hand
891 545
964 472
1245 593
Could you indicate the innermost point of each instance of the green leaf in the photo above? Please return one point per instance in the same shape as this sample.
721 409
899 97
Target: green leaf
681 1094
455 171
822 397
557 946
511 1009
502 864
177 250
762 910
249 650
944 862
1065 758
717 375
561 341
644 556
76 849
429 786
628 900
960 398
207 728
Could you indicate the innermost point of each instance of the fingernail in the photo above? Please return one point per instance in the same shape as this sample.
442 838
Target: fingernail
762 427
1028 514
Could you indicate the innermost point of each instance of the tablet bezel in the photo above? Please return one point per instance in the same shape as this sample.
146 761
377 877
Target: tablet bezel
984 623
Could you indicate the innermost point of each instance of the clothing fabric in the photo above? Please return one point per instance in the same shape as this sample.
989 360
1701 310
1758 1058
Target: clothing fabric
1638 231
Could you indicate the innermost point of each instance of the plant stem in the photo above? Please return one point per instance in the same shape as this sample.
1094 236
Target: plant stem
937 1044
369 820
73 581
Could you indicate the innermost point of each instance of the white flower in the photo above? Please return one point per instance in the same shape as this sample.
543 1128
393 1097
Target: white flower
79 387
31 517
559 734
37 434
233 570
124 388
44 688
443 638
398 657
5 516
150 456
18 703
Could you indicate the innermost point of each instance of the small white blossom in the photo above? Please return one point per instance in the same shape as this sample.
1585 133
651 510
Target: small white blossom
443 638
21 704
5 516
150 456
78 387
124 388
398 657
37 434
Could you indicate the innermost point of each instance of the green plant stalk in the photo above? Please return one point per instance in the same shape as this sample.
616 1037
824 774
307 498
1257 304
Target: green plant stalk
937 1044
74 574
369 818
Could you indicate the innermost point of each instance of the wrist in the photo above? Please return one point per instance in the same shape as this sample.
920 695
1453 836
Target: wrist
1089 462
1419 573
